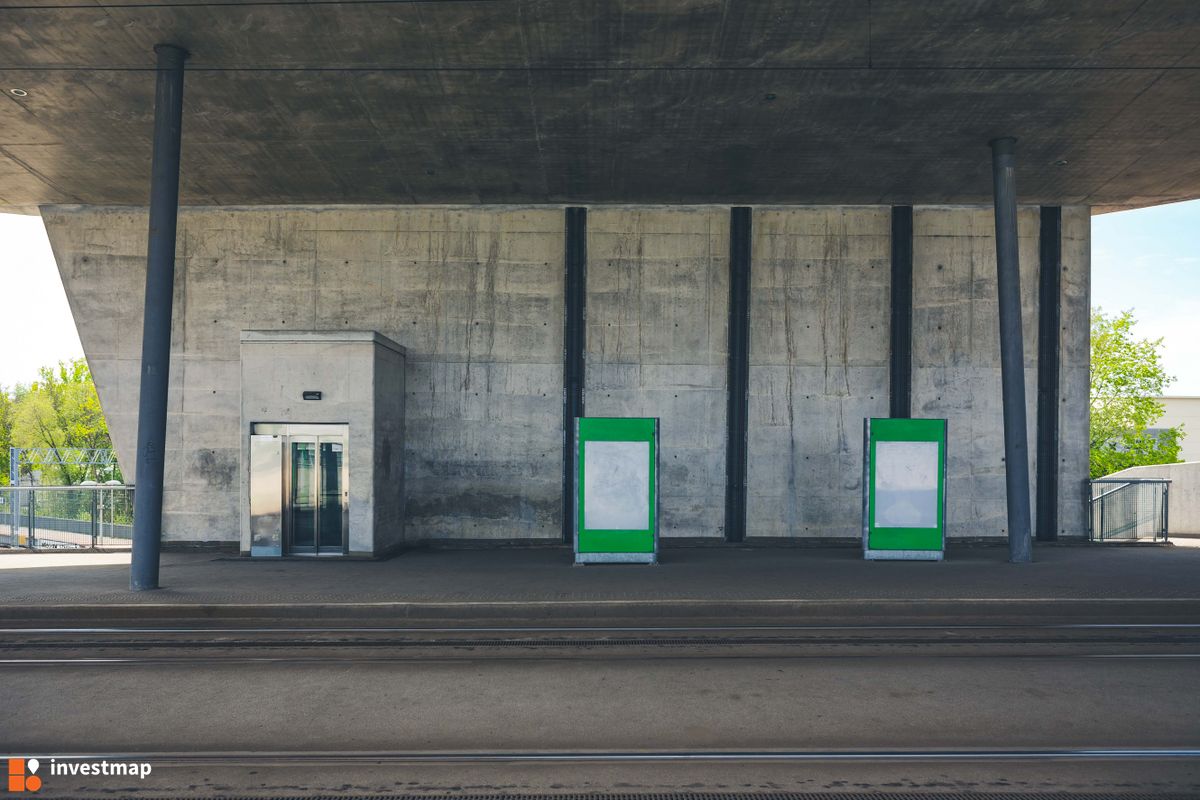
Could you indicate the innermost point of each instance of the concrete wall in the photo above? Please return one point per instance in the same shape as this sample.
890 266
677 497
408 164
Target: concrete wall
1074 390
956 353
475 294
657 346
390 368
1183 505
819 344
956 357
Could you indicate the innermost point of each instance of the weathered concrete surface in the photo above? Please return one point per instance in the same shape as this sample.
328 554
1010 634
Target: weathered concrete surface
819 344
388 457
1075 359
658 101
474 294
657 346
956 357
1184 494
956 353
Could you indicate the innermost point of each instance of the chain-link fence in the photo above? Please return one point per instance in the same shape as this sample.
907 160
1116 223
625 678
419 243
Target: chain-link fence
66 517
1129 509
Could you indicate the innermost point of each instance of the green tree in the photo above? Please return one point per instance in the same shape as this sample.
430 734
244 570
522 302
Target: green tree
1127 376
6 425
61 409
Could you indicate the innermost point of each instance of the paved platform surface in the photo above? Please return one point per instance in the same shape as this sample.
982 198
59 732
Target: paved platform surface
546 574
513 582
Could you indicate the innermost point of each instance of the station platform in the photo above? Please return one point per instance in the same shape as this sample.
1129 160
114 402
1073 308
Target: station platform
1082 583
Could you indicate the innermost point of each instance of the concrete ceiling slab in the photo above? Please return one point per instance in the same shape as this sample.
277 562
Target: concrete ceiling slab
674 101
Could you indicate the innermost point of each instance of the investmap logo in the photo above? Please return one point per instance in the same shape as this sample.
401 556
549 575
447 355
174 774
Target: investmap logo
22 775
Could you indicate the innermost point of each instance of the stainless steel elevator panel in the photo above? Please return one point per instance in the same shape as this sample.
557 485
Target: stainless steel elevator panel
305 469
266 495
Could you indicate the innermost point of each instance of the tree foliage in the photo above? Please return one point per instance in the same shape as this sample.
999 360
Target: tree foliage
1127 376
6 422
60 409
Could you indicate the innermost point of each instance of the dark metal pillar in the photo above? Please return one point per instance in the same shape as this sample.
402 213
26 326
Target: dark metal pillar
738 377
1012 350
573 355
156 327
1049 321
902 288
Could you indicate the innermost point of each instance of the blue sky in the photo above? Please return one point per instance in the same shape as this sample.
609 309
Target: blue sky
1146 260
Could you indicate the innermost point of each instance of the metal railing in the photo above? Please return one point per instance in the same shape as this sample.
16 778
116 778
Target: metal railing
1129 509
66 517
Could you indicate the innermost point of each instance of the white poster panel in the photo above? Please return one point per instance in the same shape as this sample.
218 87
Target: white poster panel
616 486
906 484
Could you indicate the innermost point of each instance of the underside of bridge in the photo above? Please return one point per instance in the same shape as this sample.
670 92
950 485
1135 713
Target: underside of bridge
606 101
760 222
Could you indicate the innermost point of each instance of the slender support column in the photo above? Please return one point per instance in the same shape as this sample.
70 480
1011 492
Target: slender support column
902 288
573 363
14 480
738 377
1012 350
156 328
1049 322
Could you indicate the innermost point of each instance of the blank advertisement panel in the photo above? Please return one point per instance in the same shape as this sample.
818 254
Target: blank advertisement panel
904 488
616 510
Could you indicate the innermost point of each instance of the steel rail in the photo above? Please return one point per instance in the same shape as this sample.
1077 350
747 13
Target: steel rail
118 661
596 628
357 757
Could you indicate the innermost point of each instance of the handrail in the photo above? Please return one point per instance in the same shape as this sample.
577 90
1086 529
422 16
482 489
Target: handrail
79 487
73 517
1139 509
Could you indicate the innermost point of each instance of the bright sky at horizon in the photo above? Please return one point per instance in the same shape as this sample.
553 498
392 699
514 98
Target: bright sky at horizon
38 329
1146 260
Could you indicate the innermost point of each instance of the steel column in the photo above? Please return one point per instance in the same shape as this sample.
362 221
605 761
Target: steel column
14 480
156 327
901 324
1012 350
738 378
575 319
1049 321
95 517
32 520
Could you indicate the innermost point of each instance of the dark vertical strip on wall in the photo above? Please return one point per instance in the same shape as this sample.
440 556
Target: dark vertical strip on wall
739 374
1049 325
573 341
902 312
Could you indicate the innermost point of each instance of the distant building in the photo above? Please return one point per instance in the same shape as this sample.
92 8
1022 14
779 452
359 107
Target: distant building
1183 411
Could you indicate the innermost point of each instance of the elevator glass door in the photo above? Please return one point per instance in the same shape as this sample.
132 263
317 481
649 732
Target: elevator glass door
302 505
331 510
317 509
309 470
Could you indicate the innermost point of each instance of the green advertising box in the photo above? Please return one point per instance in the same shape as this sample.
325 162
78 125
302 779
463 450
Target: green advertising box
904 489
616 490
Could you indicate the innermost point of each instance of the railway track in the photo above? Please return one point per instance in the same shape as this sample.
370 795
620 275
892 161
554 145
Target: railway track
125 645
